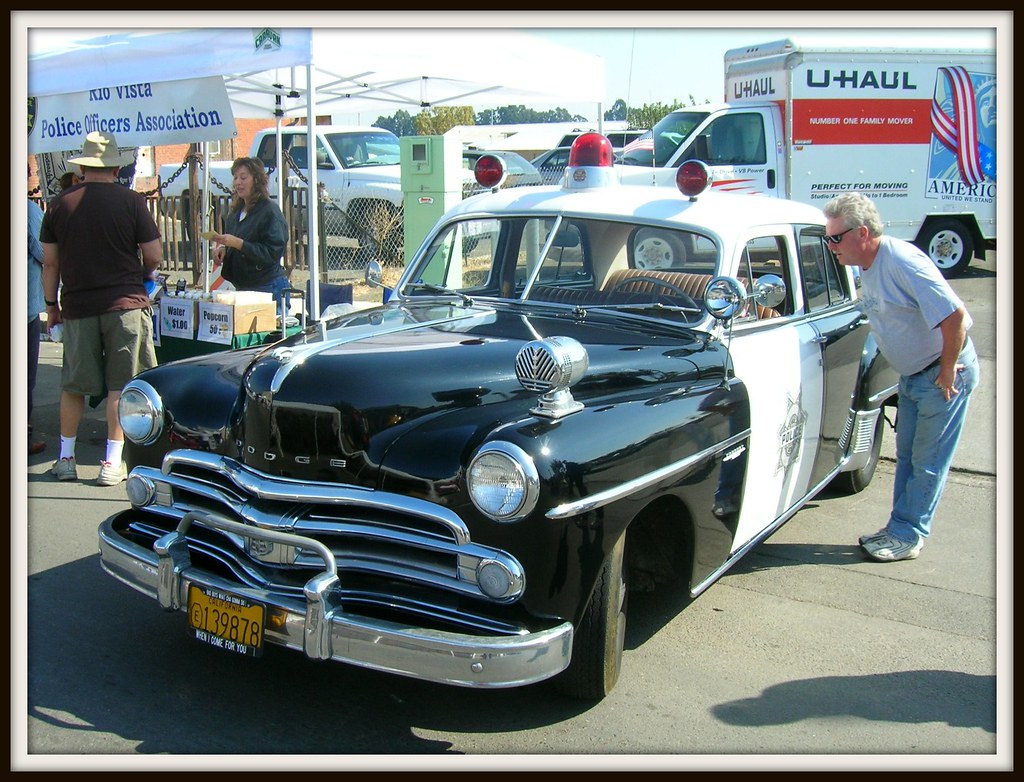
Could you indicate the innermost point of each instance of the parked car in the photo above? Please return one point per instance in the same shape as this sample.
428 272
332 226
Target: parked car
520 170
551 164
618 138
570 394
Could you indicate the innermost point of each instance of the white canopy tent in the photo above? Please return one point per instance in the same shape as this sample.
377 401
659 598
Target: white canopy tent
300 72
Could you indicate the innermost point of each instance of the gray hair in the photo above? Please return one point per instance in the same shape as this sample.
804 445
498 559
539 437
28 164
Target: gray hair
855 210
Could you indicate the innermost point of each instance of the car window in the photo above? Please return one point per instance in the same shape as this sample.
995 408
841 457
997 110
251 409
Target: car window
765 255
566 259
460 258
823 281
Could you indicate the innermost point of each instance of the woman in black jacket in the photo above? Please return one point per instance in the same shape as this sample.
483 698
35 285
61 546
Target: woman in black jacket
255 233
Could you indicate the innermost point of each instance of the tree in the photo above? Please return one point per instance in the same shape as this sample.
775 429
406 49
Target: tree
401 123
649 114
521 115
617 112
436 120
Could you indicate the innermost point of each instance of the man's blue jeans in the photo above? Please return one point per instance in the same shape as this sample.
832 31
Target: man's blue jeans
927 432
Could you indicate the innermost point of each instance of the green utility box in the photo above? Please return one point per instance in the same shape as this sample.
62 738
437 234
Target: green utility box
431 183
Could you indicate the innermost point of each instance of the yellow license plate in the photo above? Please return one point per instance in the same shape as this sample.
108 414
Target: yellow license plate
227 621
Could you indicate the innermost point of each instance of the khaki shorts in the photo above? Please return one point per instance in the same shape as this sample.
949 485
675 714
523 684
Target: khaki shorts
103 352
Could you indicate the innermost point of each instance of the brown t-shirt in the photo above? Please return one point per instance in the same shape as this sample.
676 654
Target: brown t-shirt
98 227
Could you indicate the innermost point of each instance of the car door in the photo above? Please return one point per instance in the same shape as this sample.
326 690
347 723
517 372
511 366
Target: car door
776 354
841 332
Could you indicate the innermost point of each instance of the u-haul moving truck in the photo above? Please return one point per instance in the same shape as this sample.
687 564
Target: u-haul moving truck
914 130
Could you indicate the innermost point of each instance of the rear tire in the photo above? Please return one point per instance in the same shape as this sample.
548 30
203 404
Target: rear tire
599 639
950 246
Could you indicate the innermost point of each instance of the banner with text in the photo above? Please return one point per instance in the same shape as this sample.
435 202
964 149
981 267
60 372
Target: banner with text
139 115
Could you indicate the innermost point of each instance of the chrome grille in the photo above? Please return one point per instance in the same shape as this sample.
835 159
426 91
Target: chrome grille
372 535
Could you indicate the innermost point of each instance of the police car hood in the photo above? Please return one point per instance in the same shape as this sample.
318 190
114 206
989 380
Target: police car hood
345 397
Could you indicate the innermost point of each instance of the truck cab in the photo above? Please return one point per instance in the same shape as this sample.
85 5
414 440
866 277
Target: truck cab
743 146
353 162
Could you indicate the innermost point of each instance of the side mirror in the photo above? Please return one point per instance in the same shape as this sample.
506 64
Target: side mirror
724 297
374 274
769 290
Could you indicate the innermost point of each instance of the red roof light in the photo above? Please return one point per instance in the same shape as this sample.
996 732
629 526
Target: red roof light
591 149
692 178
489 171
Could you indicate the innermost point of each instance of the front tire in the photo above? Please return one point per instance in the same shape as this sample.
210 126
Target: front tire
950 246
599 639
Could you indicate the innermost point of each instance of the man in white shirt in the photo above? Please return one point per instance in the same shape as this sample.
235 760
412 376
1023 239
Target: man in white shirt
921 328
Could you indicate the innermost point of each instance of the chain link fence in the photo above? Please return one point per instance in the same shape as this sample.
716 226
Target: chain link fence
348 238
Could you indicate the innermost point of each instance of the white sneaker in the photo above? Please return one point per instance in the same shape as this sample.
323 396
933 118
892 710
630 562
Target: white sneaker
65 469
889 549
865 538
111 474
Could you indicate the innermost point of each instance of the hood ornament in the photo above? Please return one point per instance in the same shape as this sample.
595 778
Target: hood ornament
551 366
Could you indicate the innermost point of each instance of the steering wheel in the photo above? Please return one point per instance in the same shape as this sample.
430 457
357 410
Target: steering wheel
675 290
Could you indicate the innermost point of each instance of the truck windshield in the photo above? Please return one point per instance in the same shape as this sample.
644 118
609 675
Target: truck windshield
669 133
356 150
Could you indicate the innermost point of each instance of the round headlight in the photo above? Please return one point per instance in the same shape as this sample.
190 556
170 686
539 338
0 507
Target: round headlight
503 482
140 412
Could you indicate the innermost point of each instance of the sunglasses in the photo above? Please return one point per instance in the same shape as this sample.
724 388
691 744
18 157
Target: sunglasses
837 238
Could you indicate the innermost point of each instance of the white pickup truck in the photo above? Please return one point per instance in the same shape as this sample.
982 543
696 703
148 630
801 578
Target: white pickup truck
357 166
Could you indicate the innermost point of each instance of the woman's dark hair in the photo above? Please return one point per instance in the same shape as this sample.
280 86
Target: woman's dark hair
260 180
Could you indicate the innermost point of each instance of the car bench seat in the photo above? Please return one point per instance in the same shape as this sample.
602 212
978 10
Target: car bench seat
642 280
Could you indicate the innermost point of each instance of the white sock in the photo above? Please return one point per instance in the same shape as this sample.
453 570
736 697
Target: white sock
67 447
114 448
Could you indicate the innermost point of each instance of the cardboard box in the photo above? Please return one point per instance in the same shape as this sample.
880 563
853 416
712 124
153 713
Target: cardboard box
219 322
251 318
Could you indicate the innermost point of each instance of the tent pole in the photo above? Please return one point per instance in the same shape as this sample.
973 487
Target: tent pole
278 158
313 213
204 204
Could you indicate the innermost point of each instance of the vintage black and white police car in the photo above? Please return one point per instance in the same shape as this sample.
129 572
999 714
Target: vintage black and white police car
574 391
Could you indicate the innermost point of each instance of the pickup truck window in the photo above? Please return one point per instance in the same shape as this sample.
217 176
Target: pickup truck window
356 150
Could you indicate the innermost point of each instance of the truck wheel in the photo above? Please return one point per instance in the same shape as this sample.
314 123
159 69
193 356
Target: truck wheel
598 641
657 250
856 481
950 246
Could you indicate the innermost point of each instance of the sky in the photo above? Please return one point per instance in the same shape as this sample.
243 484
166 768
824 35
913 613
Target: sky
649 56
662 65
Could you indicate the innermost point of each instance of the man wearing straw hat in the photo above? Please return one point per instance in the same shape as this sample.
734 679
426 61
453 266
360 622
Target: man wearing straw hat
92 235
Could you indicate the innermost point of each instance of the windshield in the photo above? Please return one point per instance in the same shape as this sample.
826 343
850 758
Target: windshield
357 150
569 262
668 133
